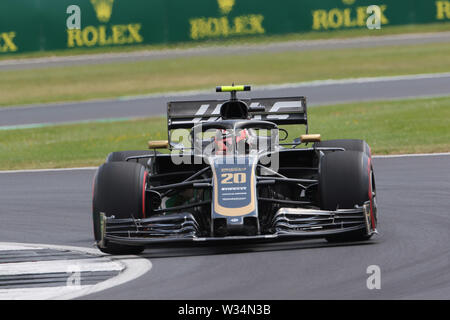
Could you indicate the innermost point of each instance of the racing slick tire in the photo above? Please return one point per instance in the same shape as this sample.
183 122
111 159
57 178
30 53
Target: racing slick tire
123 155
345 180
347 144
119 190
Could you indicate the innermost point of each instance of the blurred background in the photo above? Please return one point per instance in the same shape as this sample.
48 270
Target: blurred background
81 78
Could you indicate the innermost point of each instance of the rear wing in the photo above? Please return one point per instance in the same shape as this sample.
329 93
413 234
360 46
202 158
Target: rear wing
281 111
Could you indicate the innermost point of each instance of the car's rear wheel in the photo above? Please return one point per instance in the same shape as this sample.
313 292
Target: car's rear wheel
119 190
346 180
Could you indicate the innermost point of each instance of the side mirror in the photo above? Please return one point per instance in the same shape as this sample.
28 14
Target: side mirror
159 144
305 138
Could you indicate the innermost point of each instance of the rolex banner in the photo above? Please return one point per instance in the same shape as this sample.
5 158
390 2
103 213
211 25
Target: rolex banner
32 25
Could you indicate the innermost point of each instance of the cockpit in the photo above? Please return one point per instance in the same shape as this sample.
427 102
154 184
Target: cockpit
234 137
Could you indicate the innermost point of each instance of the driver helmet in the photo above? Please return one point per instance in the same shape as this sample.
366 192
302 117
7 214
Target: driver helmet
222 144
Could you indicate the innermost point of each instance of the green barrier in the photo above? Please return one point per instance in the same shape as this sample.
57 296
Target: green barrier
32 25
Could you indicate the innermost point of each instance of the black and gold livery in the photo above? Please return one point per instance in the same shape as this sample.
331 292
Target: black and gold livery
235 176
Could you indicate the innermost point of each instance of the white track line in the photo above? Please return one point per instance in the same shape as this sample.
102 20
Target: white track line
48 170
412 155
318 83
58 266
7 246
95 168
290 85
130 267
48 293
314 83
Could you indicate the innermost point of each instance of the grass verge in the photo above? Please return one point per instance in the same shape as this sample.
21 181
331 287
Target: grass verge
313 35
407 126
77 83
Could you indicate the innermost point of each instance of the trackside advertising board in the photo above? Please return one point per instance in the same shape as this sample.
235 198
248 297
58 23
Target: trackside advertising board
33 25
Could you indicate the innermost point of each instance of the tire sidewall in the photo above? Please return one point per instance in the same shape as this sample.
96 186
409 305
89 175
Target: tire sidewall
119 190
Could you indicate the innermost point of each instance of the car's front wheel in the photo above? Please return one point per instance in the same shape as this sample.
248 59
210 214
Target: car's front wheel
346 179
119 190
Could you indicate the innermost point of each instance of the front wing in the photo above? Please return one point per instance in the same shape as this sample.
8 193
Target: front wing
288 223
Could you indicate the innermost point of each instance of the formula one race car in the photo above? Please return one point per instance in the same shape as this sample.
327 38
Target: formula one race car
228 177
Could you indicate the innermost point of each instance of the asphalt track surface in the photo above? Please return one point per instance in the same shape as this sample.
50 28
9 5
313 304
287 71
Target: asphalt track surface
317 93
236 49
412 249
